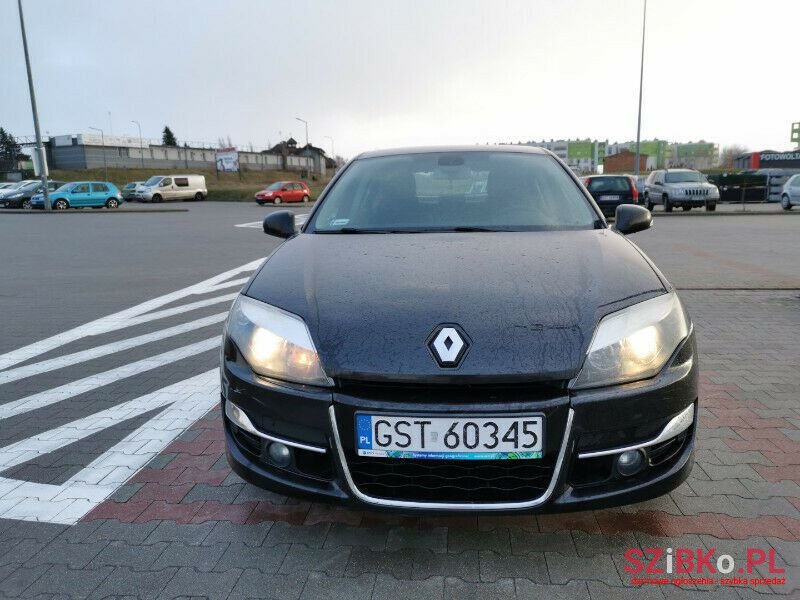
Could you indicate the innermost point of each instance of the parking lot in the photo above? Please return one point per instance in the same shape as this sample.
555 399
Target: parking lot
113 478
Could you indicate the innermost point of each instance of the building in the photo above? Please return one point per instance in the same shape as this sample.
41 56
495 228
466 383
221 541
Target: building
582 156
768 159
663 154
82 151
624 161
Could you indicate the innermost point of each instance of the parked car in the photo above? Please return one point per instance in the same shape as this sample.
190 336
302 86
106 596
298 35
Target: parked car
507 352
82 194
172 187
129 190
284 191
684 188
790 196
609 191
15 186
21 196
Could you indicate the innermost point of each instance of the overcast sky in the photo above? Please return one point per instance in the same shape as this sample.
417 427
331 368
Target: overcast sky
377 73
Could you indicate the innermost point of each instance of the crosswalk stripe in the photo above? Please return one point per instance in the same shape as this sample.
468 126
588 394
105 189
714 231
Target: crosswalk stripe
91 382
106 349
127 317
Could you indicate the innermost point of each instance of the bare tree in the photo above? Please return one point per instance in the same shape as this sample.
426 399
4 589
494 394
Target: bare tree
729 153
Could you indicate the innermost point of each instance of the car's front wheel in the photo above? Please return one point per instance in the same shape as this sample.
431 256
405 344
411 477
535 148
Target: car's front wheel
277 200
112 203
60 205
156 198
786 204
667 204
26 203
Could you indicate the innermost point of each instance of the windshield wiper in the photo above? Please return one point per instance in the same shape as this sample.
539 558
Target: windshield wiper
469 228
352 230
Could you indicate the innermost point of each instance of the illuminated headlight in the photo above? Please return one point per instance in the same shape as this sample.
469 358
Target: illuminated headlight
634 343
275 343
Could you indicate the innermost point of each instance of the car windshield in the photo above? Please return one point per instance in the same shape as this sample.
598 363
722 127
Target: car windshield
683 177
275 186
454 191
153 180
130 186
65 188
609 184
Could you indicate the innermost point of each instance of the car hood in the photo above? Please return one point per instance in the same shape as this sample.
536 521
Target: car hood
528 301
691 184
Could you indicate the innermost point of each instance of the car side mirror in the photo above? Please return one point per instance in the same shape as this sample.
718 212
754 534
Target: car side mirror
631 218
280 224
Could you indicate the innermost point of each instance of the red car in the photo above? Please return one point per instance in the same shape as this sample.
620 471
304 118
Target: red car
284 191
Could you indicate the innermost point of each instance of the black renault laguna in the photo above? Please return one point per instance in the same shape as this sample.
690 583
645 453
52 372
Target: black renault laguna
459 329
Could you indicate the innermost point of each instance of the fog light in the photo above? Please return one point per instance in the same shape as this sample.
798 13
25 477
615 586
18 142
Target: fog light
630 463
279 454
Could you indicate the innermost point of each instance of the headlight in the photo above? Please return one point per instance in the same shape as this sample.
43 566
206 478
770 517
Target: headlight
275 343
634 343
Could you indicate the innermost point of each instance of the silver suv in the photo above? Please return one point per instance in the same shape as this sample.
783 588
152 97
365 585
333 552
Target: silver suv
680 187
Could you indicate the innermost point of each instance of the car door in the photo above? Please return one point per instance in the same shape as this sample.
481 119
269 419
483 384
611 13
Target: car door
657 187
297 196
100 194
80 195
167 188
794 190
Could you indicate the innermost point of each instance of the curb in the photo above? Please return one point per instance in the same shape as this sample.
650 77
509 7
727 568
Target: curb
20 211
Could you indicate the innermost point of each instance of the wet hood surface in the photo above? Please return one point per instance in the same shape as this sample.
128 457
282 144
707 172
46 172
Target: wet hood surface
529 301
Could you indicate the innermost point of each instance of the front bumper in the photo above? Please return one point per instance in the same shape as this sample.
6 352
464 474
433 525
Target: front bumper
585 432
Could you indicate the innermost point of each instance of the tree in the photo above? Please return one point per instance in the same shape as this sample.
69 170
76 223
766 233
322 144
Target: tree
9 148
168 138
729 153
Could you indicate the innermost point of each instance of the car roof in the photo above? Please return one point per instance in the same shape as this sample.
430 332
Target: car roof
681 170
609 175
436 149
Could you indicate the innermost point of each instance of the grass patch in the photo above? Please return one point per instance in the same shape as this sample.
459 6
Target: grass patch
228 187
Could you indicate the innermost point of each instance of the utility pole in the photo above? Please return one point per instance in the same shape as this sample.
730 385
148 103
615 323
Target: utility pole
42 158
641 79
141 146
103 141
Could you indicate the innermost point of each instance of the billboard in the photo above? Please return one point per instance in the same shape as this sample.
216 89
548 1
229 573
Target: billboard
227 161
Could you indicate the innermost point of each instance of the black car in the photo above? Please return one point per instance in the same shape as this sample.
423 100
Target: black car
609 191
21 197
459 329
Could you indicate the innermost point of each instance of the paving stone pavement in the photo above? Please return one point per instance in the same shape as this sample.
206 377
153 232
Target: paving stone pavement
181 524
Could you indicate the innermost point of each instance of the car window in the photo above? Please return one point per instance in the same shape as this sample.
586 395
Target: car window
166 181
99 187
796 181
683 177
182 181
437 191
298 186
609 184
81 188
153 180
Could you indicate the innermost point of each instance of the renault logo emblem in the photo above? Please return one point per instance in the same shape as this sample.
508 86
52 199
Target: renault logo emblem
448 345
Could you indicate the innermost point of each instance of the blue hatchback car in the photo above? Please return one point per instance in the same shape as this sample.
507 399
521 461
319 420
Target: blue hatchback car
79 194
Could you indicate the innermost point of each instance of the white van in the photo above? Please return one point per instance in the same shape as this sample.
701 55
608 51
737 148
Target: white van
172 187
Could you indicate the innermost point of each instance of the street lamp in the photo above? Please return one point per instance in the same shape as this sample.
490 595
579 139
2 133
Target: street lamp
141 146
306 124
641 79
103 141
42 158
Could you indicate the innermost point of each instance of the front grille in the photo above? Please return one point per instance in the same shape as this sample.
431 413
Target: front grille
451 480
456 481
697 192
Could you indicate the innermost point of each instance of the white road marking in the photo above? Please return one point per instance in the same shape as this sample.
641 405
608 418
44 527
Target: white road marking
299 221
125 318
186 402
73 388
106 349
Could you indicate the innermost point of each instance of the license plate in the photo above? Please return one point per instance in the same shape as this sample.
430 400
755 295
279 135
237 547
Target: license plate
609 198
450 438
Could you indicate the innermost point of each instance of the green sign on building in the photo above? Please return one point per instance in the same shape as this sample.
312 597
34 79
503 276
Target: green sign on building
796 133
